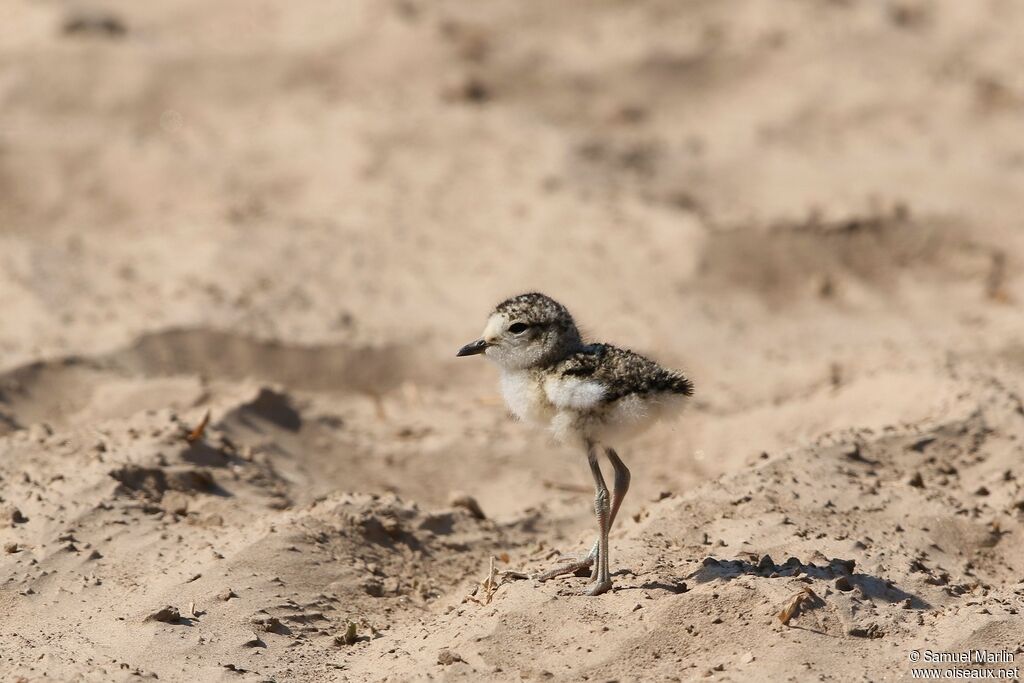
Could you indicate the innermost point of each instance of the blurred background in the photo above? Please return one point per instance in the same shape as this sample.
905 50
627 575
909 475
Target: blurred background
813 207
793 201
293 214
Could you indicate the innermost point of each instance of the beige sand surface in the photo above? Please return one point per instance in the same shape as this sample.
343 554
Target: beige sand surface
289 216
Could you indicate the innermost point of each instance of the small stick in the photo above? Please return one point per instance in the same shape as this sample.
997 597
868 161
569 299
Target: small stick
197 433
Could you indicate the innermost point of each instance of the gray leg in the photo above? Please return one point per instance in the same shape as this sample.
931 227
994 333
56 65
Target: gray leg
621 485
602 509
619 489
575 563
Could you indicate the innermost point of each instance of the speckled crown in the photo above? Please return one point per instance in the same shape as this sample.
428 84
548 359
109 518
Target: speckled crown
535 308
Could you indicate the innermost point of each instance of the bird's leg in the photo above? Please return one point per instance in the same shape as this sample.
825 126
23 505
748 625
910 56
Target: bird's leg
621 485
602 510
619 489
574 563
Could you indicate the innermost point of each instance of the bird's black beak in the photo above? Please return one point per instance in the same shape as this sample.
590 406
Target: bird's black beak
473 348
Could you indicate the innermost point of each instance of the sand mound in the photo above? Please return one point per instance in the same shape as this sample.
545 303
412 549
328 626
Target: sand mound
141 527
195 556
886 558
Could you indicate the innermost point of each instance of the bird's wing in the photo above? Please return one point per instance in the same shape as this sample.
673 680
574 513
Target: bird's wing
576 384
605 373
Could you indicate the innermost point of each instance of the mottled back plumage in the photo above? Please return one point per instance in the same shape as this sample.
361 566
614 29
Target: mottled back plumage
623 372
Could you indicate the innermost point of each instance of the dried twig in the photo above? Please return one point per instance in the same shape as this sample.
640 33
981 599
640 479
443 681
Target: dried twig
995 282
378 406
489 586
197 433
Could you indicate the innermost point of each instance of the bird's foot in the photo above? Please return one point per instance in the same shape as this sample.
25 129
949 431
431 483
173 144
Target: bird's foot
570 564
598 587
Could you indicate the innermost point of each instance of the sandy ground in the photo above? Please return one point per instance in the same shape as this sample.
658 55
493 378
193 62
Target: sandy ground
288 216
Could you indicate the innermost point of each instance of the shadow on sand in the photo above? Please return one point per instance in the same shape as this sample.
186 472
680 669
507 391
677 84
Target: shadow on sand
841 571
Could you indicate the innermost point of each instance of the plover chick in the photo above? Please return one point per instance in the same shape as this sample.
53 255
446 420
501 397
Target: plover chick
587 394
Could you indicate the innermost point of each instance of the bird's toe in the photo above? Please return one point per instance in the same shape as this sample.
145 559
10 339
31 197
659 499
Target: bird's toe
598 587
572 564
565 568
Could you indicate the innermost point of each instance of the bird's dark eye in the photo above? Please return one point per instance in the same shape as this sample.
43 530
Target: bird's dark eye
517 328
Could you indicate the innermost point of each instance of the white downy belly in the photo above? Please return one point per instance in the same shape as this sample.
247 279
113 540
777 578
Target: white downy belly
525 397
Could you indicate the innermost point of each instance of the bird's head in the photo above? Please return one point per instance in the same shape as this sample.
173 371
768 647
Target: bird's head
529 330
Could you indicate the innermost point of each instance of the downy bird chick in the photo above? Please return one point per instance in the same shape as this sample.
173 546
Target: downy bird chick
588 394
